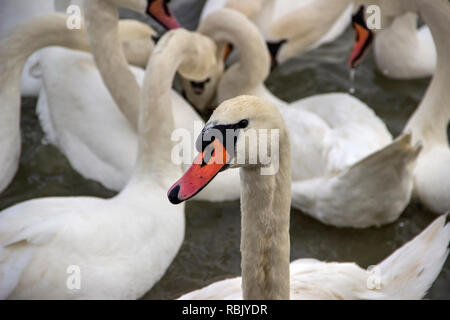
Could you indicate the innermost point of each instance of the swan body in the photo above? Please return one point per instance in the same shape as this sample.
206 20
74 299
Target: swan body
266 272
401 274
332 136
123 245
41 239
429 122
402 51
322 21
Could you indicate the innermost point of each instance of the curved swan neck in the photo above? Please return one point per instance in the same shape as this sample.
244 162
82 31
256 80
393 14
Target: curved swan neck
102 22
156 122
265 245
37 33
253 67
429 121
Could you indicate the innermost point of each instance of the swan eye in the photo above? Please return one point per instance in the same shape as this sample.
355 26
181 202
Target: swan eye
243 123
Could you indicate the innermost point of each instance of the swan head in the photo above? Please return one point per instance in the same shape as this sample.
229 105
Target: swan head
381 14
364 37
201 58
239 134
201 94
134 37
160 11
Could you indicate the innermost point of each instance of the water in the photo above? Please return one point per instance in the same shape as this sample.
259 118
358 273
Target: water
210 251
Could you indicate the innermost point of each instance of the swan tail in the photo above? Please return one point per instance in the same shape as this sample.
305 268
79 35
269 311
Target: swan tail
379 188
385 178
410 271
399 155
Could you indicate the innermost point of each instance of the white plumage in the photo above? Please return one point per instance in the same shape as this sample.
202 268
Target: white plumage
406 274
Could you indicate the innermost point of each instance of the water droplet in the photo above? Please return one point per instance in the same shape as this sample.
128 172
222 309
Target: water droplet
352 80
352 74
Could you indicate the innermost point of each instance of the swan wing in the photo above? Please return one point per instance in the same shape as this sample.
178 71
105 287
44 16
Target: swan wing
379 185
24 228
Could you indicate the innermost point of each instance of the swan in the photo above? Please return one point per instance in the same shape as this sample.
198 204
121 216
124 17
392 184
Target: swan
37 33
111 164
322 21
12 14
123 245
265 208
402 51
428 123
344 159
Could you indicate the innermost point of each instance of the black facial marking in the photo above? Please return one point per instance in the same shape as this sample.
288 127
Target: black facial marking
199 87
166 7
221 132
359 17
274 48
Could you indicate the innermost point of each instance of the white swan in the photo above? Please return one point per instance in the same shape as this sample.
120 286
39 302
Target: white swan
322 21
402 51
37 33
123 245
12 14
110 164
266 272
344 161
429 122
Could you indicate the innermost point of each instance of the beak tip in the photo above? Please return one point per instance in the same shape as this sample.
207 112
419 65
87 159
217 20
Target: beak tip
173 195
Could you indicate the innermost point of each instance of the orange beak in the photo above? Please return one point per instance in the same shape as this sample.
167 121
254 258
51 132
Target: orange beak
227 51
364 38
200 173
160 11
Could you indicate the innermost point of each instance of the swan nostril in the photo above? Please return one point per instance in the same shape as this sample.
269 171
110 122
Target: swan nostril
173 195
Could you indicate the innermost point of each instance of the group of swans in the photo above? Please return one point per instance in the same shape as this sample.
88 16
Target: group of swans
402 51
91 233
265 207
322 21
16 48
131 238
101 144
344 159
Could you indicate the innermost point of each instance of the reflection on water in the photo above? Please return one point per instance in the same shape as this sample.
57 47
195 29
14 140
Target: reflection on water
210 251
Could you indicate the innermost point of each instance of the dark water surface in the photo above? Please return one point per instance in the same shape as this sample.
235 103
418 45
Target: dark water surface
210 251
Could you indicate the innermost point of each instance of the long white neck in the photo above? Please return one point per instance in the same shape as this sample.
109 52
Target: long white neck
102 22
265 245
429 121
156 122
254 65
37 33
